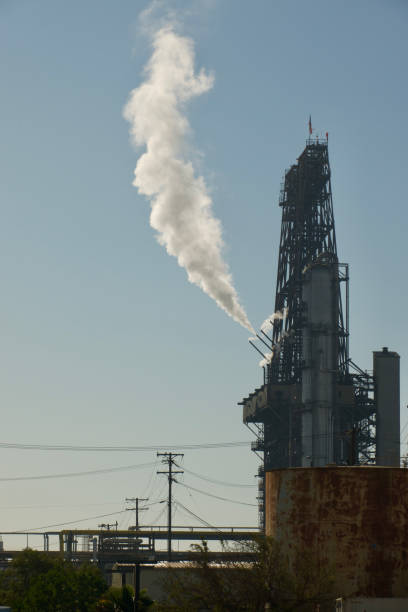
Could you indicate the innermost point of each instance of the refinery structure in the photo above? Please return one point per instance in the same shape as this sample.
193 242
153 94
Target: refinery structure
316 406
327 430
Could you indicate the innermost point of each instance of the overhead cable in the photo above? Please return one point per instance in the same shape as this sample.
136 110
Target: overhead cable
72 447
198 517
158 517
38 506
220 482
122 468
89 518
232 501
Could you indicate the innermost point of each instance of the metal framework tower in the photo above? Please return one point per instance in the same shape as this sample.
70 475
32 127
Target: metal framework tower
315 406
307 233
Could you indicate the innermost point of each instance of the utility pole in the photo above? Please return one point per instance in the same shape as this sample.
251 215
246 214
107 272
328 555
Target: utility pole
169 458
136 500
107 526
136 570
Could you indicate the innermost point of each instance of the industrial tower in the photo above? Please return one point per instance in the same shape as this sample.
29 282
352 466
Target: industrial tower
316 407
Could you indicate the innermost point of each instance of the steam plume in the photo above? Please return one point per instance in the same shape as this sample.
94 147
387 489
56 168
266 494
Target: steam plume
268 323
266 327
181 206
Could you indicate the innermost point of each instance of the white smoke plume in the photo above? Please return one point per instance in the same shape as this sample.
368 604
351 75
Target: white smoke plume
181 208
266 360
276 348
268 323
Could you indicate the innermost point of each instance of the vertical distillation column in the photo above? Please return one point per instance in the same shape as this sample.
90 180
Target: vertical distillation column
387 397
320 342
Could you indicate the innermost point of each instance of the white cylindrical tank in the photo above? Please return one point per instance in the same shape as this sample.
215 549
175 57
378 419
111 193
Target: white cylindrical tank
320 334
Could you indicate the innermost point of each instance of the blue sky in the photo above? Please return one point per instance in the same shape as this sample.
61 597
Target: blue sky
104 341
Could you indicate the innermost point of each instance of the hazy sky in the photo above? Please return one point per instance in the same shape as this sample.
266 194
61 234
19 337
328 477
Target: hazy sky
104 341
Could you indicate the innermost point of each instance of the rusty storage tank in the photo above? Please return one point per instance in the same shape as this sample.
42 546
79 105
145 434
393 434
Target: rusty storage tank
354 518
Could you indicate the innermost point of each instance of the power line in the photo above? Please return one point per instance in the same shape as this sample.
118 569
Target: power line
149 488
158 517
122 520
198 518
122 468
89 518
220 482
72 447
233 501
146 506
41 506
191 513
161 489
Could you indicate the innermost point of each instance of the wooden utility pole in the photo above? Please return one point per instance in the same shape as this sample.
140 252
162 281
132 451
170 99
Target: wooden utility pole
169 459
136 570
136 500
107 526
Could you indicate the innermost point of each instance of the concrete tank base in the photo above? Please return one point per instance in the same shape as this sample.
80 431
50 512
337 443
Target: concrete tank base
354 518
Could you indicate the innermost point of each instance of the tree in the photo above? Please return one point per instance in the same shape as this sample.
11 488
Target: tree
120 599
36 582
116 599
237 586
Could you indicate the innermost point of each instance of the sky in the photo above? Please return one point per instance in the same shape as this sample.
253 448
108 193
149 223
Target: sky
103 339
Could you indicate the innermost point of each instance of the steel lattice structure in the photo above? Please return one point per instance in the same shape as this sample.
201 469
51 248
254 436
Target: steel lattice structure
307 232
308 237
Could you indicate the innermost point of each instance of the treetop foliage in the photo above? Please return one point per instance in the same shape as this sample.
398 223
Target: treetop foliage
270 582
